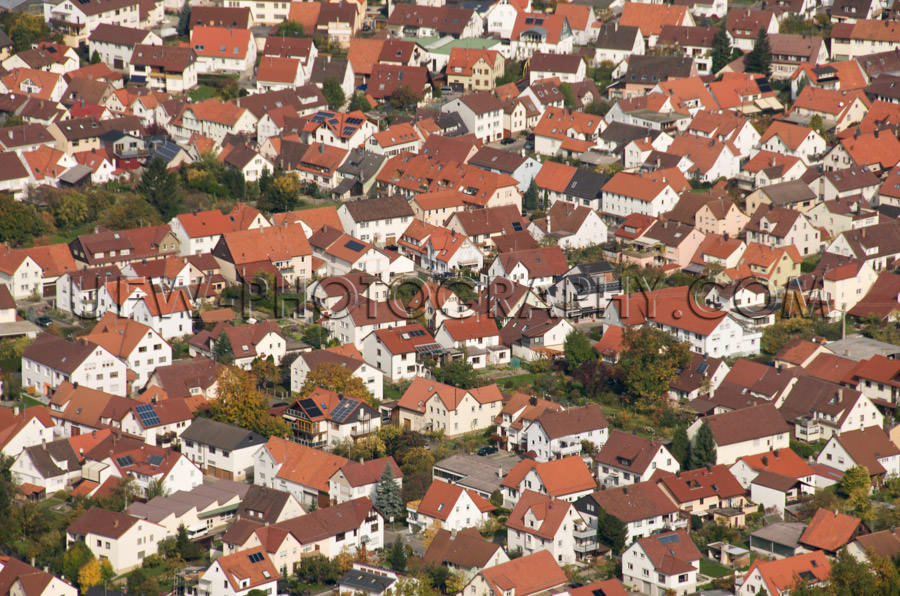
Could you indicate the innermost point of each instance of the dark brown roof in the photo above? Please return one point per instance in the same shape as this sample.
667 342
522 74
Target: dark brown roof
369 472
573 421
491 158
169 58
639 501
75 129
220 16
178 378
867 446
467 549
558 63
445 20
95 7
379 208
482 103
262 504
613 36
323 523
746 424
885 543
115 34
678 35
110 524
11 167
627 451
48 457
775 481
57 353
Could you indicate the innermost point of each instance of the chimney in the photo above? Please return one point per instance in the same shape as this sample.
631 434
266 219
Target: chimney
624 490
765 460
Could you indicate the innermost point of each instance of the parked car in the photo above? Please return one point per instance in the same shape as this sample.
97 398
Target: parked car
487 450
507 141
44 321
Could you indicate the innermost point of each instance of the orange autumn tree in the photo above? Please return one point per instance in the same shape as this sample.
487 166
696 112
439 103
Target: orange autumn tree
337 378
240 403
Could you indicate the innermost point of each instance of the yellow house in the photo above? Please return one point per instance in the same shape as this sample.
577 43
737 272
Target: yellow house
474 70
775 265
430 405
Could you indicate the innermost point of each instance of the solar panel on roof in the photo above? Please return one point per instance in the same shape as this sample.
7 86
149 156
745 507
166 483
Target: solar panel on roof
155 460
702 367
763 85
517 226
348 130
312 410
417 333
320 117
354 245
669 539
124 461
354 121
147 415
255 557
343 409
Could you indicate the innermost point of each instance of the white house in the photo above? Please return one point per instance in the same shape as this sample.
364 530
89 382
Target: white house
627 193
871 448
223 49
21 429
449 505
140 347
122 539
572 226
748 430
478 336
239 573
360 479
114 44
306 362
482 114
54 466
535 267
51 360
395 351
661 565
380 220
539 522
643 508
428 404
219 449
627 459
559 434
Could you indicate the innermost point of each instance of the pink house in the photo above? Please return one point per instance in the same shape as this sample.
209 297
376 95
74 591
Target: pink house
668 243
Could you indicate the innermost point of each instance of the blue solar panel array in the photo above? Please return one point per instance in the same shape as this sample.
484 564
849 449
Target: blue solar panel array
354 245
147 415
124 461
155 460
343 409
255 557
669 539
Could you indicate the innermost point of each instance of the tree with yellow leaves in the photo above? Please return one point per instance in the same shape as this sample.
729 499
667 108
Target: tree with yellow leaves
89 575
430 532
336 377
240 403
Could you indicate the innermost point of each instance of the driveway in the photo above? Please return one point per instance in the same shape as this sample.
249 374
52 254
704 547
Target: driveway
414 540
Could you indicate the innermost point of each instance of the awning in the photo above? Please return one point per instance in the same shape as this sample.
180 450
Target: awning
769 103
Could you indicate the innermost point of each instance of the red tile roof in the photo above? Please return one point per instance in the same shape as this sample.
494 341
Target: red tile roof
441 497
829 530
782 575
780 461
531 574
560 477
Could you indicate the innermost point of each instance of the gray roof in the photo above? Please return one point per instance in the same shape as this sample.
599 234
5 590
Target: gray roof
786 193
361 164
586 184
621 134
263 504
858 347
613 36
480 474
359 580
210 495
76 174
784 533
221 435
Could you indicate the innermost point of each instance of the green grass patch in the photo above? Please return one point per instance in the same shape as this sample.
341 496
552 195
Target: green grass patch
29 402
391 391
516 382
202 92
712 569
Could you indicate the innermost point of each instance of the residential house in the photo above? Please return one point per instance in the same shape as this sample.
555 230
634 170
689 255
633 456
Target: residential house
361 479
52 360
627 459
530 575
870 447
395 352
20 578
115 44
567 479
642 507
650 194
240 573
616 43
793 139
325 418
345 527
448 506
428 404
481 112
829 531
533 333
464 552
749 430
25 428
535 267
141 348
477 337
223 49
554 435
873 151
219 449
379 220
300 470
780 577
541 523
474 69
308 362
705 490
566 133
573 226
780 228
667 563
122 539
53 466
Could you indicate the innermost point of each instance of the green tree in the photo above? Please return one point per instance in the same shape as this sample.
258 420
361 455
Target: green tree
396 557
184 20
19 221
89 575
568 95
650 361
403 98
681 447
222 349
24 29
721 50
703 450
458 373
817 124
75 557
141 583
290 29
334 95
578 349
184 547
315 335
130 211
318 569
155 488
497 498
531 196
283 194
387 495
759 59
71 210
611 531
160 188
359 102
855 479
338 378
